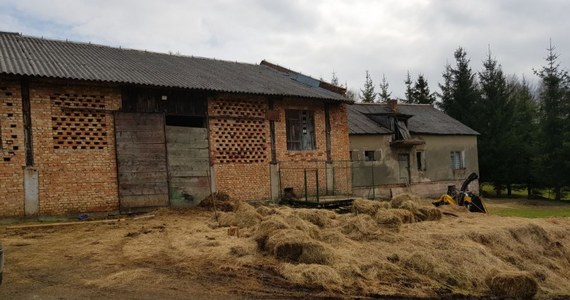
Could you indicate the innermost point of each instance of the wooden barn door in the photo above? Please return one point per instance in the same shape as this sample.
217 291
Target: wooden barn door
141 160
188 165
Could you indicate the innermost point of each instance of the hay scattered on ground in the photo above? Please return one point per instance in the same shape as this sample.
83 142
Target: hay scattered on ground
421 263
312 275
368 251
297 246
369 207
406 216
428 214
388 219
361 228
398 201
244 216
266 211
320 217
126 278
219 201
292 253
266 229
513 285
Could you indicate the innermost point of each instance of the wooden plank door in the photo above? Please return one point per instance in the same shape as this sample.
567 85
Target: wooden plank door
404 164
188 165
141 160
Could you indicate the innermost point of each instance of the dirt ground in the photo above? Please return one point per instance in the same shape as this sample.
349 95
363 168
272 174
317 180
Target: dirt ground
193 254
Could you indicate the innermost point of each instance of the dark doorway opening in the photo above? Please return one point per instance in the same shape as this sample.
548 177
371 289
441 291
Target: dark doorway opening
185 121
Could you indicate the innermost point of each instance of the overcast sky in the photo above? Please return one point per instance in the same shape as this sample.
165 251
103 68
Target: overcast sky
315 37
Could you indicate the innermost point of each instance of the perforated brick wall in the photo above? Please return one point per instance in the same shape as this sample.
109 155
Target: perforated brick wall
238 129
240 145
78 175
12 158
79 121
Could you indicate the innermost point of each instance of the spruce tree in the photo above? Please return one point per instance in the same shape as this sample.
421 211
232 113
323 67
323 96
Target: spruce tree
421 93
554 160
367 95
384 94
409 90
495 111
459 93
446 94
524 133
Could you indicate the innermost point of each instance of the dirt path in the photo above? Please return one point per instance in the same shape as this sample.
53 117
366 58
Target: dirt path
176 255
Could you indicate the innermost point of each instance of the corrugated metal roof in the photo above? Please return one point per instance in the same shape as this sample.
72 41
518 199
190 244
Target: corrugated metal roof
31 56
358 123
425 120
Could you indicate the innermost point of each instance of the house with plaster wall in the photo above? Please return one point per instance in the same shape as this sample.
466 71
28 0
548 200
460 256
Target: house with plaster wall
92 128
415 148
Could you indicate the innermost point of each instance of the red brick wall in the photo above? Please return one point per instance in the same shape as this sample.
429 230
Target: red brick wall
12 153
241 148
293 163
74 147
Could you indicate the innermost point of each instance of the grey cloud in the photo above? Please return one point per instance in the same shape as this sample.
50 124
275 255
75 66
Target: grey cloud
314 37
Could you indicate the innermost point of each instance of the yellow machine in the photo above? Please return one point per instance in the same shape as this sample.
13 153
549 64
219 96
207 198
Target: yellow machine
462 197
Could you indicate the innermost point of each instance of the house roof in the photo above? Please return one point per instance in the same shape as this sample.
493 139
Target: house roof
32 56
424 119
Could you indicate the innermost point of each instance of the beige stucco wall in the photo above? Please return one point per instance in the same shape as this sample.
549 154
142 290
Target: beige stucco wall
438 171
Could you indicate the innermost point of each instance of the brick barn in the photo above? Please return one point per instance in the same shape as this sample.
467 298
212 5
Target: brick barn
91 128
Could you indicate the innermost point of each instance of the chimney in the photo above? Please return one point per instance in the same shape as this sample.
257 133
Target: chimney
393 105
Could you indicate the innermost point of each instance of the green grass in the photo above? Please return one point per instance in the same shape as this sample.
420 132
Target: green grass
544 193
532 211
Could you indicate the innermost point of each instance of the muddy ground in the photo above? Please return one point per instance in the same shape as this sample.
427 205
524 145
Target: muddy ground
192 255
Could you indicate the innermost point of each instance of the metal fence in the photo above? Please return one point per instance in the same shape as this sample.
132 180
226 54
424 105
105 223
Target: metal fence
315 180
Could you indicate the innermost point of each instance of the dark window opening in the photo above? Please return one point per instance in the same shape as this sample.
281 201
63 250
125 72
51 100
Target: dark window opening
184 121
421 160
401 130
369 156
300 130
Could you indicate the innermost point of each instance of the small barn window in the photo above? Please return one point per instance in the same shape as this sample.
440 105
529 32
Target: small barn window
300 130
457 160
371 155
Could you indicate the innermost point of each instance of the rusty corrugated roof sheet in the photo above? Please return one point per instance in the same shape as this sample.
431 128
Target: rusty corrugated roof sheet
31 56
424 119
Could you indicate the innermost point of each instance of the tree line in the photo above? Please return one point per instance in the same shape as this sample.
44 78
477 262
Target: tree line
524 139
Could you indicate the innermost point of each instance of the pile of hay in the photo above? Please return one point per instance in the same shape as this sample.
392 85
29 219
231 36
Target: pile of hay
405 207
296 246
405 200
361 206
387 248
361 228
244 216
513 285
219 201
320 217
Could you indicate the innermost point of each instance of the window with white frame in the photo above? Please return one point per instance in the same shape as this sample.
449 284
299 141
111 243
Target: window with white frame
457 160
